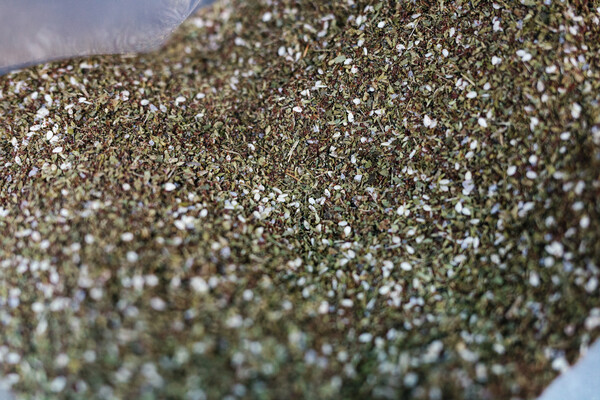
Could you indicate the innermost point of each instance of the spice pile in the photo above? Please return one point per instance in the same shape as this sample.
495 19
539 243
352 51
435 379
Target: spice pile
315 200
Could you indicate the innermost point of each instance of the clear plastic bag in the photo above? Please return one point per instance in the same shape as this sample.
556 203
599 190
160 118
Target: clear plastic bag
34 31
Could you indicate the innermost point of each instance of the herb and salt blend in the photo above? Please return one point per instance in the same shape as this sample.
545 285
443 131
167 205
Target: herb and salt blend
359 199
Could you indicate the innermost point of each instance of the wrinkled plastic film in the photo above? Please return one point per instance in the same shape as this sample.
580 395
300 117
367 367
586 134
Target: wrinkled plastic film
35 31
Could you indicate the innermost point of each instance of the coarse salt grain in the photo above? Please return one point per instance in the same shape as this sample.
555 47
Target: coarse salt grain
127 237
405 266
347 303
199 285
158 304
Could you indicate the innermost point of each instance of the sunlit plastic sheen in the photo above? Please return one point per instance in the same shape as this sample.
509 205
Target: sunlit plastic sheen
34 31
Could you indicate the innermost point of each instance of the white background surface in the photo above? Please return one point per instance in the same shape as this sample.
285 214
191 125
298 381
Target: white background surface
581 382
